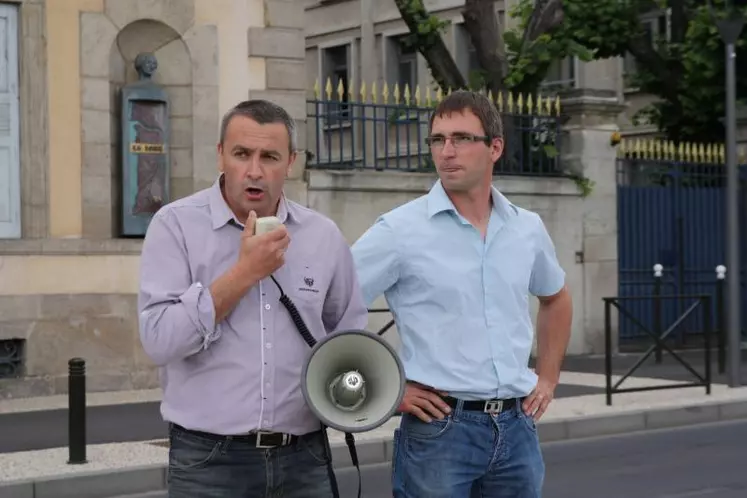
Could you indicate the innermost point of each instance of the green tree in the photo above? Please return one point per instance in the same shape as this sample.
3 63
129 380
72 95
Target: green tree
516 59
684 72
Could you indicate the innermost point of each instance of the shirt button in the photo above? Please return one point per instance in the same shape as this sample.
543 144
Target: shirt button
268 345
267 306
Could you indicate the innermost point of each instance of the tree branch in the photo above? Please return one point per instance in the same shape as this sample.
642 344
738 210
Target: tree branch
679 20
647 57
425 35
486 35
546 16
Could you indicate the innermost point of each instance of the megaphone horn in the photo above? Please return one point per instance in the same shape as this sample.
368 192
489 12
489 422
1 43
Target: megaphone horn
353 381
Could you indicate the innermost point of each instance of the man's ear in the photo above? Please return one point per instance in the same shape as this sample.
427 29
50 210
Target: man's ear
496 147
219 150
291 160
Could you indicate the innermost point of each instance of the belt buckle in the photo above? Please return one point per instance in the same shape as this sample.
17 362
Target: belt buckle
258 444
493 407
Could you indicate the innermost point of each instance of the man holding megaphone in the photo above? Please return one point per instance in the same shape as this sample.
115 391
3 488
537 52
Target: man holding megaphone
214 268
457 266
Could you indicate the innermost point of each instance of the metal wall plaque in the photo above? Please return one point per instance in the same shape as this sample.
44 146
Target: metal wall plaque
146 164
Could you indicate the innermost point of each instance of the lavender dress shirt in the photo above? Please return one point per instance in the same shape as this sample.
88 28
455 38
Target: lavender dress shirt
244 373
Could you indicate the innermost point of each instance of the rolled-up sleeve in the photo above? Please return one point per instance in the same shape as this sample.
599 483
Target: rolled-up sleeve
344 308
176 315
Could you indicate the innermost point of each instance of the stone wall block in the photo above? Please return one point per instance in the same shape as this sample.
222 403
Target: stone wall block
286 74
97 36
202 43
177 14
282 43
293 101
284 14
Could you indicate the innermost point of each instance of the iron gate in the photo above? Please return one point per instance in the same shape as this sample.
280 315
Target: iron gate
671 210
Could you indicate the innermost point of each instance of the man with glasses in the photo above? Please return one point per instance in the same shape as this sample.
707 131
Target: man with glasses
457 266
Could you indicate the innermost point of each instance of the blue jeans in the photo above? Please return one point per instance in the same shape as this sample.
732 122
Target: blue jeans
468 454
207 467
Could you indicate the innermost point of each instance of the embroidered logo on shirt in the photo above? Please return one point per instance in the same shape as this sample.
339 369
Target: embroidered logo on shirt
309 282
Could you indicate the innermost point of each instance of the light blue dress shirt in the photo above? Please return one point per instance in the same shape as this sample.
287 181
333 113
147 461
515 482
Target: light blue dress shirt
461 302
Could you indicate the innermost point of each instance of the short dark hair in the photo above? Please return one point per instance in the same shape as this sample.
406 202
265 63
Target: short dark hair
263 112
479 104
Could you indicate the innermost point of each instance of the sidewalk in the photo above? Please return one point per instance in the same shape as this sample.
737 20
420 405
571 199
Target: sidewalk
125 468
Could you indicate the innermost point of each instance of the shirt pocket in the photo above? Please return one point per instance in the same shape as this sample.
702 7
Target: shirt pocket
306 287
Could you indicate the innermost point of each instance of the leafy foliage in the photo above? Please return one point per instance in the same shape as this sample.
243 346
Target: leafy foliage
685 73
528 63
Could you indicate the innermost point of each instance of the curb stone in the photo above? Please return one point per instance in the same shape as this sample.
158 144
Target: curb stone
130 481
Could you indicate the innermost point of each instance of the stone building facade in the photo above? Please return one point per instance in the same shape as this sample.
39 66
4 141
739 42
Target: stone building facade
68 282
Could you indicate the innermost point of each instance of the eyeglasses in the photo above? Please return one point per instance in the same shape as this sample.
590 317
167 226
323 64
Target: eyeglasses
459 140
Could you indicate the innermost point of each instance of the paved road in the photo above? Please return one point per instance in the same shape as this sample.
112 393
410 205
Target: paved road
117 423
706 461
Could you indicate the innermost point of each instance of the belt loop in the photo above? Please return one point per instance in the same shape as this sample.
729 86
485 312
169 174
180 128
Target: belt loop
458 409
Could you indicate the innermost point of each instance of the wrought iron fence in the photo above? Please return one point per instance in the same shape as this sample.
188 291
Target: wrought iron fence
659 337
11 358
378 131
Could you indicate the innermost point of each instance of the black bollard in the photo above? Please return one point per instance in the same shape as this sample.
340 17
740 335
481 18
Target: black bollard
77 411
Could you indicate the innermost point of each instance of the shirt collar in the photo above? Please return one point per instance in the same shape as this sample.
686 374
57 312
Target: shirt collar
439 202
221 214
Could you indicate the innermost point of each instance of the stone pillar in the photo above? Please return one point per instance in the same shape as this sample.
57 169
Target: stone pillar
603 74
369 72
591 119
281 42
365 127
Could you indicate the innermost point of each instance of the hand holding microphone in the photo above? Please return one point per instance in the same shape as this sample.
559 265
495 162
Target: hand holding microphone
263 245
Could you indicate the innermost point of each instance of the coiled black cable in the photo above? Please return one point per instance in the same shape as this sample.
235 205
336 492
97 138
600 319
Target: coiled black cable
306 334
349 439
295 315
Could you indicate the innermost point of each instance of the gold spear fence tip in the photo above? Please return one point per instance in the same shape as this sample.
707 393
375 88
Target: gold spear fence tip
429 96
666 150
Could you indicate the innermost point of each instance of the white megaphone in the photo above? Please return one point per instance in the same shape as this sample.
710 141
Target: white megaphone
353 381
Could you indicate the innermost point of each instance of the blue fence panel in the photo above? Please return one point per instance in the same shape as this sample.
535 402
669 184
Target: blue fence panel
673 214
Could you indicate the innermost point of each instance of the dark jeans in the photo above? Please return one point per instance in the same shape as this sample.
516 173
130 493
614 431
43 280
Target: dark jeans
203 467
469 454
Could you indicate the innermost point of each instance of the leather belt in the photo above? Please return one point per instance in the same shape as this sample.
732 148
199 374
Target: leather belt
492 406
260 439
